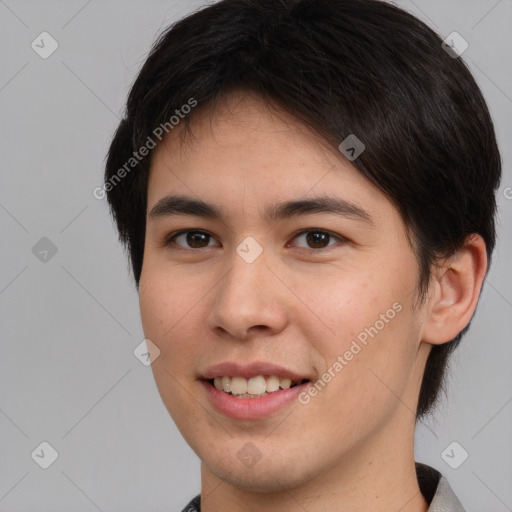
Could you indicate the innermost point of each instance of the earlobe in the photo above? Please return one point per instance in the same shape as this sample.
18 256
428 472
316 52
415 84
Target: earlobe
456 290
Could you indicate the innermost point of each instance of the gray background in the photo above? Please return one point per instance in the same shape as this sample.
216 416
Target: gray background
68 375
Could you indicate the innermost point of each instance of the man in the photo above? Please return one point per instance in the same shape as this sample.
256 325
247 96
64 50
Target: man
306 190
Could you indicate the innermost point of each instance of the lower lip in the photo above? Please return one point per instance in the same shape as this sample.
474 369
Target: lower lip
251 408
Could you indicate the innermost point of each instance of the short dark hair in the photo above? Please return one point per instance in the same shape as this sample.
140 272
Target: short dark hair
362 67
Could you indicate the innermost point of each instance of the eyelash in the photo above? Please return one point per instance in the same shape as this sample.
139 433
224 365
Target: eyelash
170 240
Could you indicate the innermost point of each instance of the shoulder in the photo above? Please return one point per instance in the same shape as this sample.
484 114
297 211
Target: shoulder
436 490
194 505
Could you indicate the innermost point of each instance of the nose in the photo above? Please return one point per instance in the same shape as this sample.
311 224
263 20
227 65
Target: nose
249 300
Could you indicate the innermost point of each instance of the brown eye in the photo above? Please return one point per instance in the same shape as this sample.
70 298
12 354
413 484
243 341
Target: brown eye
318 239
191 239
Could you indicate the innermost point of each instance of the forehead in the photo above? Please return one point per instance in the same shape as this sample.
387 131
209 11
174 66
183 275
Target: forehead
251 154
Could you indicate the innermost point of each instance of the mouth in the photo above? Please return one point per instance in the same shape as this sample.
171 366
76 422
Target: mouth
252 391
255 387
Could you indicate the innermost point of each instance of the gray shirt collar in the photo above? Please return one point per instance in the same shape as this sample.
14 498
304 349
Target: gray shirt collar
437 491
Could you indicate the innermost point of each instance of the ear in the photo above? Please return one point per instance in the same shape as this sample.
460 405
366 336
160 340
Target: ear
455 291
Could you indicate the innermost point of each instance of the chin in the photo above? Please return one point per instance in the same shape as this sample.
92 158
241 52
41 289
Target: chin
262 480
264 475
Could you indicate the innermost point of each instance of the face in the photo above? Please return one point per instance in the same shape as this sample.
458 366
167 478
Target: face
252 291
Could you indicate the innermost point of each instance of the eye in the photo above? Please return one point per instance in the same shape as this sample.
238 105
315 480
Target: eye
192 239
318 238
197 239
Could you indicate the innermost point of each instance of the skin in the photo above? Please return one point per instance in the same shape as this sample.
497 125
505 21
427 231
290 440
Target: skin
351 446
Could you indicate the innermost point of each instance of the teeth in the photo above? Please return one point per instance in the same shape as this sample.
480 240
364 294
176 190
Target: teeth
272 384
238 385
253 387
256 385
285 383
225 384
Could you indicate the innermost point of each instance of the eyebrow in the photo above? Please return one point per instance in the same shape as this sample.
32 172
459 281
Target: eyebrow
183 205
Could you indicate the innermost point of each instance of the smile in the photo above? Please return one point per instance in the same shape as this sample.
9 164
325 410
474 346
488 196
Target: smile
254 387
252 391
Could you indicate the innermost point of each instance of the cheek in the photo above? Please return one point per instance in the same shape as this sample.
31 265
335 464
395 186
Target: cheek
169 314
168 308
344 304
368 323
164 292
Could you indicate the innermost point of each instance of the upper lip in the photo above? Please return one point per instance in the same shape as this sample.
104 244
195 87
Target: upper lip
231 369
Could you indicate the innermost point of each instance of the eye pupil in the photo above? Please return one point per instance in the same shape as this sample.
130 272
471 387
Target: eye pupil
316 238
194 238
